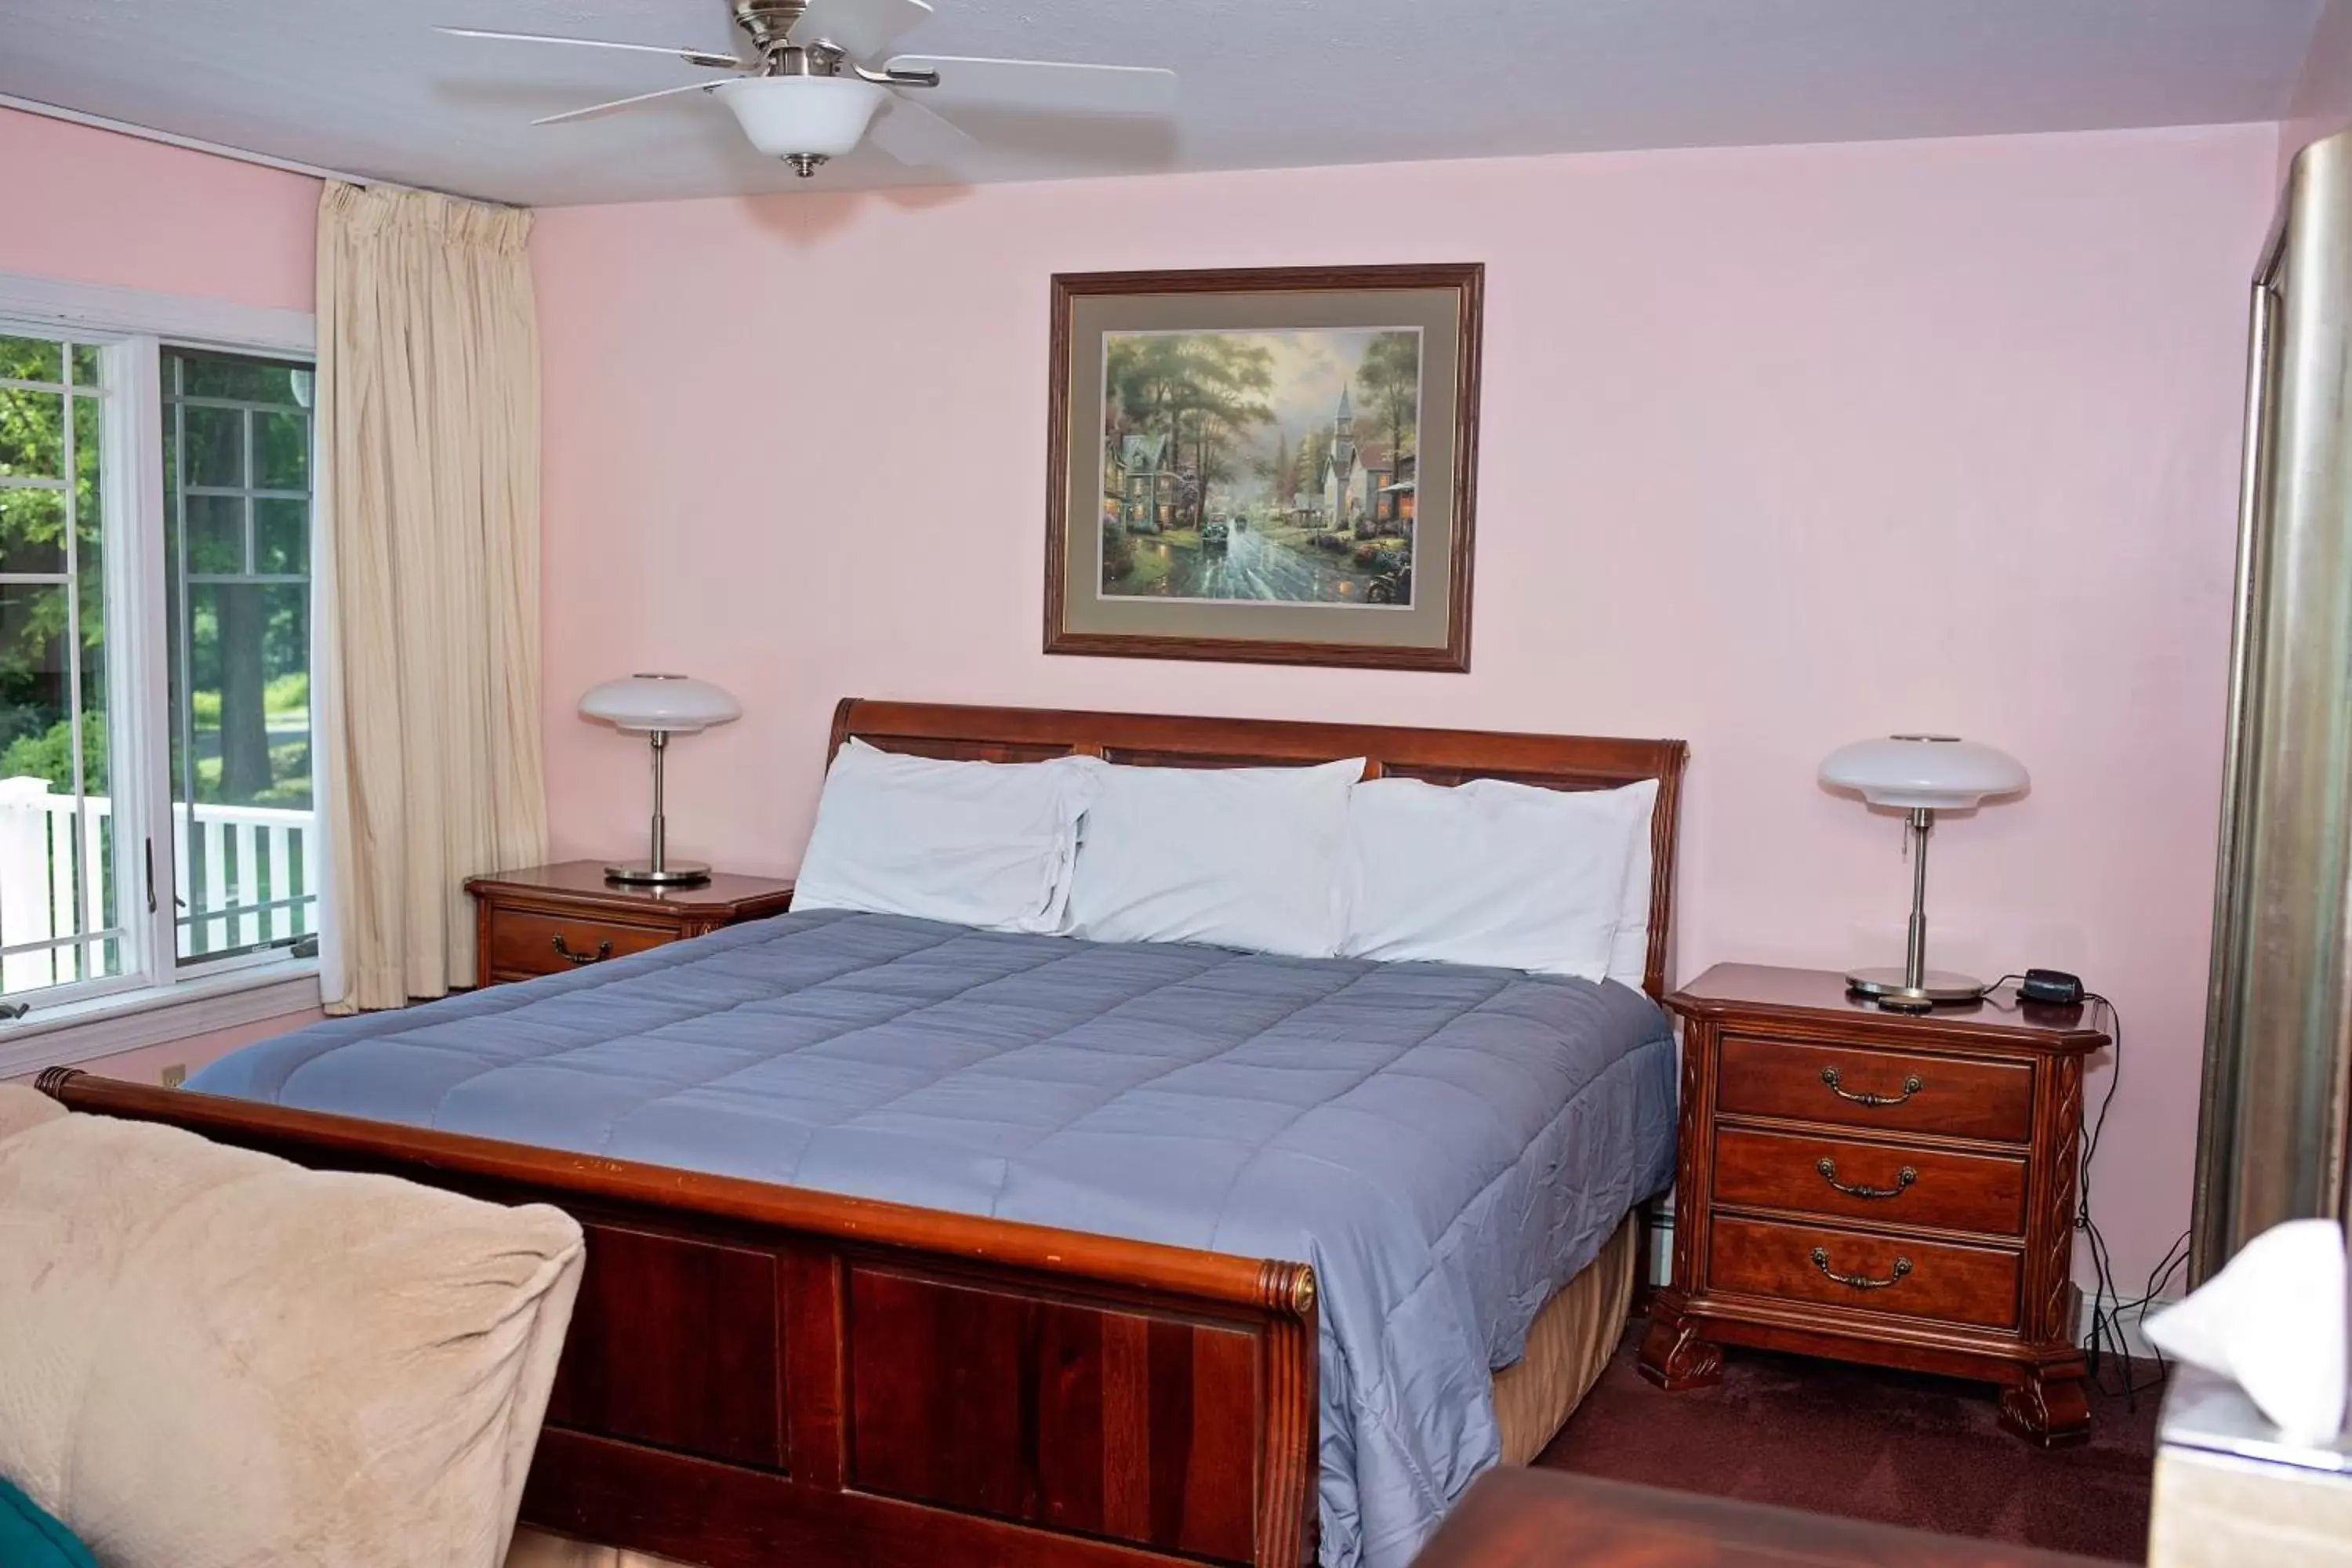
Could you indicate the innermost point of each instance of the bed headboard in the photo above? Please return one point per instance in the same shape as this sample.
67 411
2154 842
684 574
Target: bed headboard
1435 756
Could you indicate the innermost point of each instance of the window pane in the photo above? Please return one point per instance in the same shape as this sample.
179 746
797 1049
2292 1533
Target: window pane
31 359
88 366
32 434
55 843
33 693
88 450
249 658
36 871
234 377
215 542
213 449
281 452
32 530
90 593
245 858
281 537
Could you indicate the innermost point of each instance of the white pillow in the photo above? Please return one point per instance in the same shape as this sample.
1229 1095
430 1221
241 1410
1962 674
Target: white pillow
1486 872
1246 857
1629 957
977 844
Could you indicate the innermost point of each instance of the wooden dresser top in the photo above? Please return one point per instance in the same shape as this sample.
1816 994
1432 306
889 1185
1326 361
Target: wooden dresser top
1763 991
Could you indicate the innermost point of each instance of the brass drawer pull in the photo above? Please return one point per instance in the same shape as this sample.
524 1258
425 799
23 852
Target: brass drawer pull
603 951
1912 1084
1903 1178
1858 1281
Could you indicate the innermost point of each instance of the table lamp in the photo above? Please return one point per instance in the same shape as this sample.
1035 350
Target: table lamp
1921 774
659 706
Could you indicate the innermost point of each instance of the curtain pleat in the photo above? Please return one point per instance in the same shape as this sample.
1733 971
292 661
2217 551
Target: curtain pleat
428 441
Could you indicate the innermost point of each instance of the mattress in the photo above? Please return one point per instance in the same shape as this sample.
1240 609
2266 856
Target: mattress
1446 1145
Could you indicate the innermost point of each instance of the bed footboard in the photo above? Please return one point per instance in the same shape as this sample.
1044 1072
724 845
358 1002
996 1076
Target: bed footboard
758 1374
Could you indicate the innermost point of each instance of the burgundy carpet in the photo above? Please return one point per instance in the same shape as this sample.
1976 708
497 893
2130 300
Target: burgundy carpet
1893 1447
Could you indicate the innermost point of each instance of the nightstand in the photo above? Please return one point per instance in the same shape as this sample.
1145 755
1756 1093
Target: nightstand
1882 1187
550 919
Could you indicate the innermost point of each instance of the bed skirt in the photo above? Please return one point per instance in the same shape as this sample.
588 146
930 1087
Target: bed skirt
1569 1344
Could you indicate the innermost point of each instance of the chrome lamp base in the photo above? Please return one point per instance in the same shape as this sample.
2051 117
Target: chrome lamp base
1898 992
1914 987
645 874
657 869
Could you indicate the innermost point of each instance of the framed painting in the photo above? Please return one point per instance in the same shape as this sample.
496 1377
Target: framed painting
1268 465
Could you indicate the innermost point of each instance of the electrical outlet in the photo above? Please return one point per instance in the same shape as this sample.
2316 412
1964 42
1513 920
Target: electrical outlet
176 1075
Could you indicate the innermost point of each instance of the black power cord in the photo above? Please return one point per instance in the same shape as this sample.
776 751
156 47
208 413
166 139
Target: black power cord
2110 1311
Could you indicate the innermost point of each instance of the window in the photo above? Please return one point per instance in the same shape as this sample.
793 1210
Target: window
237 533
156 816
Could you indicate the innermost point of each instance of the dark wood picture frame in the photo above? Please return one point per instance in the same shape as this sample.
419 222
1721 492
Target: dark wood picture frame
758 1372
1465 279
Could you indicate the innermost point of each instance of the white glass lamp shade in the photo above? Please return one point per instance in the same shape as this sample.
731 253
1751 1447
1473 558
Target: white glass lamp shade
671 704
1939 773
821 116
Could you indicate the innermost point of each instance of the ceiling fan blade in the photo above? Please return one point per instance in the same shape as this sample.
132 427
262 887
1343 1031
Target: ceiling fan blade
691 57
1043 85
594 109
861 27
913 134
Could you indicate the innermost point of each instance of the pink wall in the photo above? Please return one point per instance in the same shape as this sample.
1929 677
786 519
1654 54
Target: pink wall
98 208
1782 447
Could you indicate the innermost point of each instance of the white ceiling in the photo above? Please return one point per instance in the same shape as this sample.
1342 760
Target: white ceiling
364 86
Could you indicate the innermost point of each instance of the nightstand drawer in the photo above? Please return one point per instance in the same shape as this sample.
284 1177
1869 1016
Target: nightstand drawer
1818 1173
1956 1284
1863 1086
522 943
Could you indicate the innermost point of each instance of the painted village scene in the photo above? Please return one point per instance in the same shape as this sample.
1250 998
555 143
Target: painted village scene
1260 466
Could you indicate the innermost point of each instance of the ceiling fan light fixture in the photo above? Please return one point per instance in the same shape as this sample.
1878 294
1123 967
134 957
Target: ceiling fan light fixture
802 117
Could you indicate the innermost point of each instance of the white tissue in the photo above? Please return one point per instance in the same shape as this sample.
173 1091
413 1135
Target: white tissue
2274 1321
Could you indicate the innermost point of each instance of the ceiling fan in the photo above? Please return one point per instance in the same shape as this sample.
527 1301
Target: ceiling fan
805 92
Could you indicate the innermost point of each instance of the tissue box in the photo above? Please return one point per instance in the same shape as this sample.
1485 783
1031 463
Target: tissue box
2231 1490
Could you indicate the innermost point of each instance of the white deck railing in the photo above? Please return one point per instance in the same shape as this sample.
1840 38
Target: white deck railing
250 875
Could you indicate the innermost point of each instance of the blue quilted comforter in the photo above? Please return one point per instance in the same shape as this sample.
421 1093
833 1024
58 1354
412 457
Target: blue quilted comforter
1446 1145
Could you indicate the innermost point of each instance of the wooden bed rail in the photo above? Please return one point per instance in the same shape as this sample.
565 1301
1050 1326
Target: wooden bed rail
758 1372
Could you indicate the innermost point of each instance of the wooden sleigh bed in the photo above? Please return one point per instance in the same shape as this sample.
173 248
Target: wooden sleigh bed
758 1373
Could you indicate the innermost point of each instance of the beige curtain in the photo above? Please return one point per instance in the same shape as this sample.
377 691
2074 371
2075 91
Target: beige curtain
428 711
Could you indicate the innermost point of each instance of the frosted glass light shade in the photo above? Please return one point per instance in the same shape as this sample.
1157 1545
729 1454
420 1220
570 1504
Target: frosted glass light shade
672 704
1940 772
823 116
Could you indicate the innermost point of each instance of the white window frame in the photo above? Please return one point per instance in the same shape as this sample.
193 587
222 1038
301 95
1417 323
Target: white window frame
154 998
